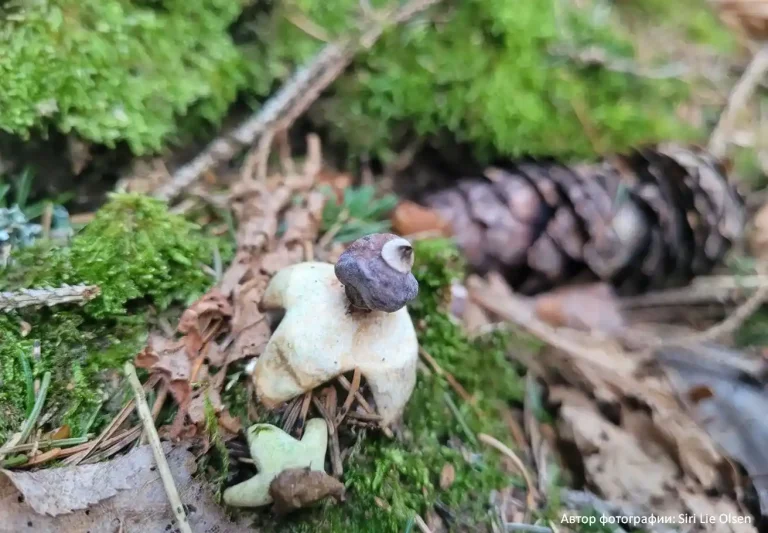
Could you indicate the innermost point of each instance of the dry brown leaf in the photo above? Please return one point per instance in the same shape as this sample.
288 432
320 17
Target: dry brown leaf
213 354
204 320
409 218
613 459
230 423
125 492
589 307
282 257
337 181
196 409
447 476
168 359
249 325
211 306
297 488
610 374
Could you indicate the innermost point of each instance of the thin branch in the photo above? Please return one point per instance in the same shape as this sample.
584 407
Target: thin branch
48 296
599 57
737 100
706 289
157 449
292 100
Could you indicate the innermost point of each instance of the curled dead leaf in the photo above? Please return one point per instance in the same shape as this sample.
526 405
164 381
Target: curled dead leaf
196 409
590 307
211 306
409 218
169 359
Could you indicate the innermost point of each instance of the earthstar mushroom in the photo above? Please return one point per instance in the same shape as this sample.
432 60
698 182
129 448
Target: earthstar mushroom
318 339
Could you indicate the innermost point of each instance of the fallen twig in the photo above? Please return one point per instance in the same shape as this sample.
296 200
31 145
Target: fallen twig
292 100
599 57
706 289
738 98
48 296
732 323
162 394
157 450
29 423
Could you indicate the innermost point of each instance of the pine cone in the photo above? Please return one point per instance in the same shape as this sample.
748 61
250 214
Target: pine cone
651 219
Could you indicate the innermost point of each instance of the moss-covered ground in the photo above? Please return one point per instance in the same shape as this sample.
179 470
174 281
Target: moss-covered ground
143 259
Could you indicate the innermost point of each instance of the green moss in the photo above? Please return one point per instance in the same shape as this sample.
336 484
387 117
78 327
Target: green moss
133 249
116 70
144 72
140 255
76 349
485 74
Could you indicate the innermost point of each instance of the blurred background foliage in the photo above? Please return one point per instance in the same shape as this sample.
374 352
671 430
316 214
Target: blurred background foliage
483 72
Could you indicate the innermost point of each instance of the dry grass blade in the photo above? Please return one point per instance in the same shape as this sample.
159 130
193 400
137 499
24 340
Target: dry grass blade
291 415
350 396
363 403
121 417
421 524
533 493
305 403
333 438
452 381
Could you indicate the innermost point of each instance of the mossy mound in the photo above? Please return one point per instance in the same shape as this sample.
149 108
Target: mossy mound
140 256
485 72
115 71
